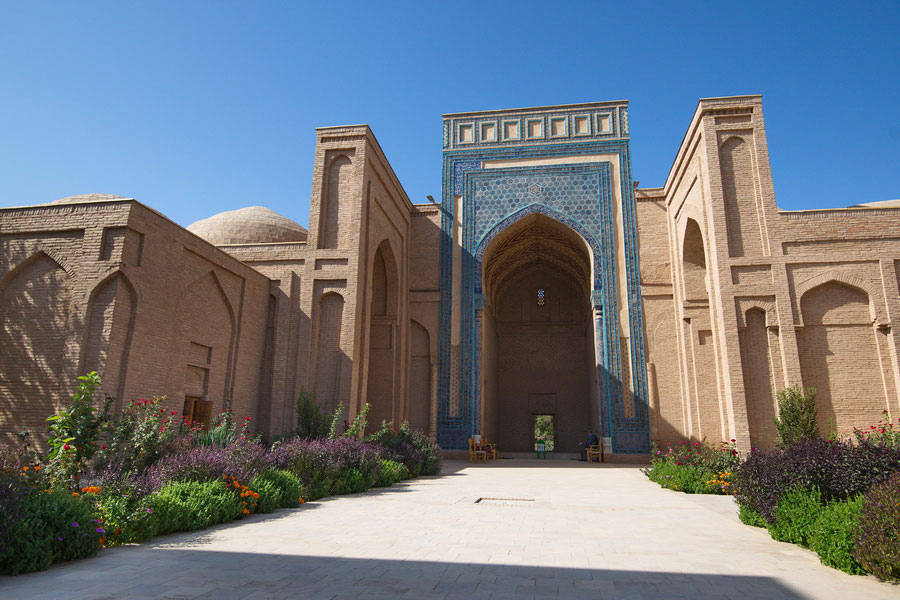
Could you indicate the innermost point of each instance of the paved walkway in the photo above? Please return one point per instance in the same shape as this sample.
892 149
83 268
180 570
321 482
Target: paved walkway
587 532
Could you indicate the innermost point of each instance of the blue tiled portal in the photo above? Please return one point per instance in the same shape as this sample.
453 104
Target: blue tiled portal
580 196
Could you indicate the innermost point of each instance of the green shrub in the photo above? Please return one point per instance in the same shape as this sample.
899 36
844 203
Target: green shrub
690 479
206 503
750 516
391 472
796 418
127 519
877 540
831 536
290 487
75 432
795 515
269 495
56 527
312 420
350 481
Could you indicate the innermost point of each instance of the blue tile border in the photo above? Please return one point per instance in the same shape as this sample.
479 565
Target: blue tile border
579 196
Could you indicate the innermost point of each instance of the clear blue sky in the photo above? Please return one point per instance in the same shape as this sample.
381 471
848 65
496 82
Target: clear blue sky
198 107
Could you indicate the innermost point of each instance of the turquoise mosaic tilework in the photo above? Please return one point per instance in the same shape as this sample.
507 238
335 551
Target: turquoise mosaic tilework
579 196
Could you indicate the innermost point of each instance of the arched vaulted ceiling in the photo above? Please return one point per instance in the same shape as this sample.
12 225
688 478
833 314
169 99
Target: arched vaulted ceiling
533 242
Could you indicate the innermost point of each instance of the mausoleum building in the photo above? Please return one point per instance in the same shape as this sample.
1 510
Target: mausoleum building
542 282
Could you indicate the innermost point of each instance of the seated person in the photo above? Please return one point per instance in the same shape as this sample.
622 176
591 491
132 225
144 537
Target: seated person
592 440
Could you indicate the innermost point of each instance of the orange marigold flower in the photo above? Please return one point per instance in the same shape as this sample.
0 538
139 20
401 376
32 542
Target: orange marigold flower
245 511
75 494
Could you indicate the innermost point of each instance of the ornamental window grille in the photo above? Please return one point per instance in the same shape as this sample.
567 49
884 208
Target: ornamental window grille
540 297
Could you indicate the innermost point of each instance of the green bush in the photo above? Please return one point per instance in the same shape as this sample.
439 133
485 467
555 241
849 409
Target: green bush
269 495
126 518
197 505
312 420
680 477
796 418
795 515
750 516
290 487
350 481
391 472
877 539
56 527
831 536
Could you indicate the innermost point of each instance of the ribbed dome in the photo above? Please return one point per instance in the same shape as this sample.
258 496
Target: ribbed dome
251 225
89 198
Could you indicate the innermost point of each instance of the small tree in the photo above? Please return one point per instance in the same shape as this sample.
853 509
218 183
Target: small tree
75 432
312 421
796 418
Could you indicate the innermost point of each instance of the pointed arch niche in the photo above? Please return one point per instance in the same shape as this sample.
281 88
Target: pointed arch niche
108 332
37 334
383 361
839 355
335 209
537 334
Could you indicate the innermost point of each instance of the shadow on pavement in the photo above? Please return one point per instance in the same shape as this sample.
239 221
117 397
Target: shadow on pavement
178 573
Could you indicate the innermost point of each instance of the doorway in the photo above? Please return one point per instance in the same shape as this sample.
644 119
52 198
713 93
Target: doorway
544 432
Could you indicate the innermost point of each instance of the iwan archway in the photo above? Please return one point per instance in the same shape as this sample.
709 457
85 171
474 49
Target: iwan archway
555 183
537 343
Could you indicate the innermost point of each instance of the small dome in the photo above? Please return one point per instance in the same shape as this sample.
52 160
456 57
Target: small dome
879 204
251 225
80 198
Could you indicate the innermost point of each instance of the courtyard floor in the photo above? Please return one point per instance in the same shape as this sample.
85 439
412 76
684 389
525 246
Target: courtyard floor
560 529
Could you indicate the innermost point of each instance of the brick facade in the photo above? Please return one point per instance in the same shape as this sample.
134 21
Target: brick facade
666 313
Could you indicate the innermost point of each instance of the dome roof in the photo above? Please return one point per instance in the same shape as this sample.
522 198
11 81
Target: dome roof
250 225
879 204
89 198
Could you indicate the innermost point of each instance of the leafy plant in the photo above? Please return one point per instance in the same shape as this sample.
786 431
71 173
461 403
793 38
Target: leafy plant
831 536
391 472
142 434
335 421
350 481
795 514
312 421
694 468
270 495
56 526
290 488
750 516
877 540
200 504
358 427
796 420
75 431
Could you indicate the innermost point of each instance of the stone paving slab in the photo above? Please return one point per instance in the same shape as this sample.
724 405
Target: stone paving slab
592 532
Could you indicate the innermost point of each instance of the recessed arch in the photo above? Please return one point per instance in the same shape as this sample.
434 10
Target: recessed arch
335 204
331 359
38 334
839 356
109 326
537 350
694 264
383 358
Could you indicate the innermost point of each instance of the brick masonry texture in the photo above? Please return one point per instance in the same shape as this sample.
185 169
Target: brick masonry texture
697 303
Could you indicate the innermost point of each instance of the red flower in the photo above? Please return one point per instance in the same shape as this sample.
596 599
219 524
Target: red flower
682 441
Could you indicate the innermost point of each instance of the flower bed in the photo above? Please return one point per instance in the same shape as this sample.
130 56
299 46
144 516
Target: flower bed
837 497
109 482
